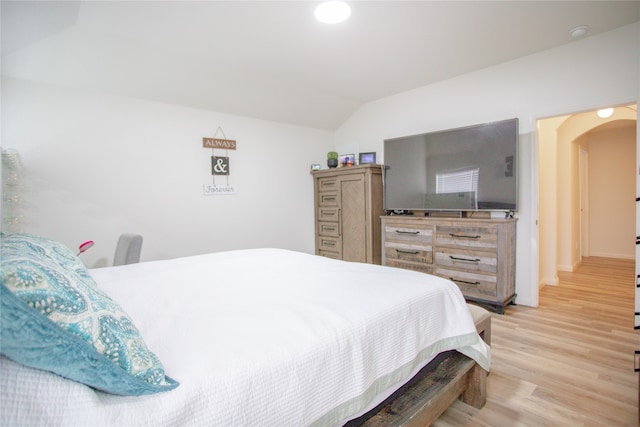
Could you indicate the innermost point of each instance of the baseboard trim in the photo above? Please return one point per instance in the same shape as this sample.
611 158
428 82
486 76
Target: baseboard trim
552 281
610 255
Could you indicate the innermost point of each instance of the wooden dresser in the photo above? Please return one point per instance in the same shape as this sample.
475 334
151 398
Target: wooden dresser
348 207
477 254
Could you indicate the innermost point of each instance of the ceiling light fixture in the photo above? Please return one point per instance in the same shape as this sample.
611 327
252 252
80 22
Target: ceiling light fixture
332 12
579 31
605 112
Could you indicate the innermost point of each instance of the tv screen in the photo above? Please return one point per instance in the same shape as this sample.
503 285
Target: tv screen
464 169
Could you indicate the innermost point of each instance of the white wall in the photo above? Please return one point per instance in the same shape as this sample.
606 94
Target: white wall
612 190
548 199
567 202
96 166
585 74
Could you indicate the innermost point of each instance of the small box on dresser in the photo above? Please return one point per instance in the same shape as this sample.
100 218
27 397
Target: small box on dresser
476 254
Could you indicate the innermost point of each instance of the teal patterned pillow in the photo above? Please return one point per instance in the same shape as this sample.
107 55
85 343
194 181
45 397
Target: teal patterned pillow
54 317
21 244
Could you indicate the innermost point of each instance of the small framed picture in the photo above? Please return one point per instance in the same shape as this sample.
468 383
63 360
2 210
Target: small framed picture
347 159
366 158
315 167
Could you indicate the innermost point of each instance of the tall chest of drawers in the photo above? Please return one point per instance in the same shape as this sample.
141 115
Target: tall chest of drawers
348 207
476 254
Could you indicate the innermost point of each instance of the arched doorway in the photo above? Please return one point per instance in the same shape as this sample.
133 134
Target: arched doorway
576 204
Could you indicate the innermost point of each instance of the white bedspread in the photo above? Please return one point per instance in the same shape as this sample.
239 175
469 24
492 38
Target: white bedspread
260 337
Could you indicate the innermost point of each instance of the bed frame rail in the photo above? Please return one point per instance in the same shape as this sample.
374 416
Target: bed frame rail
423 399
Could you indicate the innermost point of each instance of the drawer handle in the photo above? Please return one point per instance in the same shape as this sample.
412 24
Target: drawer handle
400 251
407 232
327 243
329 199
455 258
325 228
464 282
328 184
462 236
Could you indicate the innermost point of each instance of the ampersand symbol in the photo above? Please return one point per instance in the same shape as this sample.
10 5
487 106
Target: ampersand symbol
220 167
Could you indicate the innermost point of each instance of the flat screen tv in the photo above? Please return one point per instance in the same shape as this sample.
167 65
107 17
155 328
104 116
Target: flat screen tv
472 168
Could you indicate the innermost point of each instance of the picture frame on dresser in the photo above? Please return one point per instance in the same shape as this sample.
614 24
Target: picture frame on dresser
367 158
347 160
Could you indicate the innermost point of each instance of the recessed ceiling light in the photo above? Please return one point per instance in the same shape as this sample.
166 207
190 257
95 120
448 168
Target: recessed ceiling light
605 112
579 31
332 12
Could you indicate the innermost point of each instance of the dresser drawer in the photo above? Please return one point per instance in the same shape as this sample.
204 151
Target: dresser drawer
468 260
471 237
328 214
422 268
331 183
328 198
476 285
408 234
414 253
331 229
328 254
330 244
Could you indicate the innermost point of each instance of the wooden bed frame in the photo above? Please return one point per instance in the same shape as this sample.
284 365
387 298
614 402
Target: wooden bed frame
435 387
428 394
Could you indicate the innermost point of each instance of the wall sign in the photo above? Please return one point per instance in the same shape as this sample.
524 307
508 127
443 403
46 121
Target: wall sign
225 144
215 190
220 164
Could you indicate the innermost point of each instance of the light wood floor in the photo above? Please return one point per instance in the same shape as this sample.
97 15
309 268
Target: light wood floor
568 362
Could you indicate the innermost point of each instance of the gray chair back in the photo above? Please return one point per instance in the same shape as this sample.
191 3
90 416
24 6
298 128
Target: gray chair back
128 249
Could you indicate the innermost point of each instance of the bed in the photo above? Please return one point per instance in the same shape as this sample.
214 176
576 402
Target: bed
265 337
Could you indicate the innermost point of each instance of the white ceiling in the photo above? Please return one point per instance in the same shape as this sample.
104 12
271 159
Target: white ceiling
271 59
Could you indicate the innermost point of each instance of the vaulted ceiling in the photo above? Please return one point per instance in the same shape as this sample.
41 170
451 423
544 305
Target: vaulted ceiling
271 59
